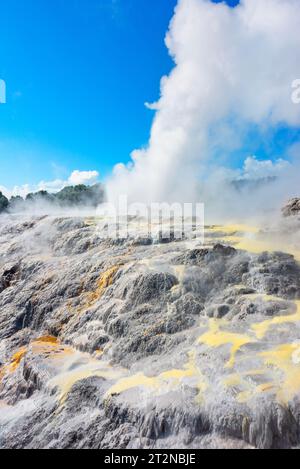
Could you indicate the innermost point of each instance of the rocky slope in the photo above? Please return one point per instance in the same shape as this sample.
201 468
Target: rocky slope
128 344
292 208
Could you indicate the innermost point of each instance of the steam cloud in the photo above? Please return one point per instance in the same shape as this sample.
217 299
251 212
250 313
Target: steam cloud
234 69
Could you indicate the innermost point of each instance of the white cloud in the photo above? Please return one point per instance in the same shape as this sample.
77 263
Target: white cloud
83 177
234 69
51 186
75 178
16 190
255 169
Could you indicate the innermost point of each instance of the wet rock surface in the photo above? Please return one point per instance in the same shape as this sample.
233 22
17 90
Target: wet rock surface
107 344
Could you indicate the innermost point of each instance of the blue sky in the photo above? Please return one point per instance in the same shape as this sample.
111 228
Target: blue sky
78 74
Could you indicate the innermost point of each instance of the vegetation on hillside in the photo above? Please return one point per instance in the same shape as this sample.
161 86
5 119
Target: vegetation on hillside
71 196
3 203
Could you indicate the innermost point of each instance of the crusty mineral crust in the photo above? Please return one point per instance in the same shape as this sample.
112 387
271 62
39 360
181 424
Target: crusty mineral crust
127 344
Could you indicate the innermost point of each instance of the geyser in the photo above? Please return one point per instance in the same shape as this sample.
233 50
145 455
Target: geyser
233 72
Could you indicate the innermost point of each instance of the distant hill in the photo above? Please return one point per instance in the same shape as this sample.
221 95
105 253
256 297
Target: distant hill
4 203
71 196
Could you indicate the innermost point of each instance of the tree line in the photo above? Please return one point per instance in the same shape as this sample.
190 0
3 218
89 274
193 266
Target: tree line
71 196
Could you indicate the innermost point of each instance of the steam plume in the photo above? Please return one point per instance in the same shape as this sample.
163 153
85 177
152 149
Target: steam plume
234 68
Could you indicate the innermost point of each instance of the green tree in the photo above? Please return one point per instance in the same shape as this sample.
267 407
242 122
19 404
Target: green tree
16 202
81 195
41 196
3 203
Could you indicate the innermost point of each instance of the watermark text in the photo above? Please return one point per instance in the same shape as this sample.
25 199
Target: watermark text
155 222
296 91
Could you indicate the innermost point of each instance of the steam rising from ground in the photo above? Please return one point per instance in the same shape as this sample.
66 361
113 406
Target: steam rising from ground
233 72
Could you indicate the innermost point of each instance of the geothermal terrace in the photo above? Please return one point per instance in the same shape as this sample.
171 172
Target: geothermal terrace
129 343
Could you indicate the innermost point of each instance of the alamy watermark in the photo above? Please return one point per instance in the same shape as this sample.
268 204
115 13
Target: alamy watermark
296 354
2 92
296 91
156 222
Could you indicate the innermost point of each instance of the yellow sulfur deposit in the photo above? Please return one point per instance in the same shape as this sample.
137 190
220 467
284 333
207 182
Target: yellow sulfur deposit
93 368
46 346
14 362
50 348
262 328
257 246
47 339
164 381
283 368
251 239
233 229
105 281
131 382
215 337
16 359
284 361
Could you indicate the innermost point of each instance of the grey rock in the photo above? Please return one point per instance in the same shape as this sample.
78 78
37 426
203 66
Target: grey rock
292 208
131 313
